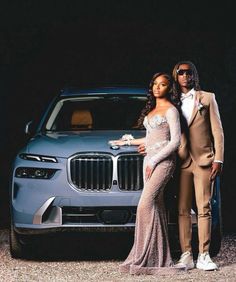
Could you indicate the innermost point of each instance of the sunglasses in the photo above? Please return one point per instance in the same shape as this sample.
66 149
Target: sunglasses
182 72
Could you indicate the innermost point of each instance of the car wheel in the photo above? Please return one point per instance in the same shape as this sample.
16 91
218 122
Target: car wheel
18 248
216 238
216 231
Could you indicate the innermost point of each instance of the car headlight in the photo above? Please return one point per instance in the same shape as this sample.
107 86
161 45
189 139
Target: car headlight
35 172
38 158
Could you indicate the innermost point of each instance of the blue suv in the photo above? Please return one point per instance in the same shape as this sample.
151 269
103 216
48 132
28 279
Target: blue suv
68 176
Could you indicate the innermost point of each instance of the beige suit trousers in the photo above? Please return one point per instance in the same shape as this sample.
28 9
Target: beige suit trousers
197 178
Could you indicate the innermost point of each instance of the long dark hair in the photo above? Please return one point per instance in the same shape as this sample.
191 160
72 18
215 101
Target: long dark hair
151 100
195 79
177 90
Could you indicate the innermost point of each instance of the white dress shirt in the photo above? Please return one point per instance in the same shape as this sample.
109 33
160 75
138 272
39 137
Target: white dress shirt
188 103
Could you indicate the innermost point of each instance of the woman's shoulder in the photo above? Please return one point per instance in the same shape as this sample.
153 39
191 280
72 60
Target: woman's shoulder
172 110
172 114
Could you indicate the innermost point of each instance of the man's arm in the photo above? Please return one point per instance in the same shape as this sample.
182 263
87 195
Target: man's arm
217 130
218 135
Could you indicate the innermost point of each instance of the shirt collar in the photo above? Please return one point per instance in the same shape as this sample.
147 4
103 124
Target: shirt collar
191 93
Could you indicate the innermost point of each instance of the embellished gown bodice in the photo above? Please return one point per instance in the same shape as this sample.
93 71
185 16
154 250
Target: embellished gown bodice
162 136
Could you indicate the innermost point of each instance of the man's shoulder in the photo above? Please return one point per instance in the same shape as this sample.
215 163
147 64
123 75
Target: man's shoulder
206 93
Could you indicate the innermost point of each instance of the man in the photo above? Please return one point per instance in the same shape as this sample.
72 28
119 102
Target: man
201 158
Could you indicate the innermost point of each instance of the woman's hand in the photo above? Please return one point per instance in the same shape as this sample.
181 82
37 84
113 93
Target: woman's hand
118 142
148 172
142 149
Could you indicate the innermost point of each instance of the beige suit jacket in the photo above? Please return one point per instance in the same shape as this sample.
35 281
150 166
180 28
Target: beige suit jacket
203 138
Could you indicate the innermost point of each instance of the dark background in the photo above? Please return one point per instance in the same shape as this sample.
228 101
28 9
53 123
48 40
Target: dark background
46 45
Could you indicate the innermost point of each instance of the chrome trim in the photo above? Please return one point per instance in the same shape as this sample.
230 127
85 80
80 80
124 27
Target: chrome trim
39 213
99 154
129 180
114 173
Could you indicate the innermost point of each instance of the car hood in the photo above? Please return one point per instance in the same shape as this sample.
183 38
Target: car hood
66 144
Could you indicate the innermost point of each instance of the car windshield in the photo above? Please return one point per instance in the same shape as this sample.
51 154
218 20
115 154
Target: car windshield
96 113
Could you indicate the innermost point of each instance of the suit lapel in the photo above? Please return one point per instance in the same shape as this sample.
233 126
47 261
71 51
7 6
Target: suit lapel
195 107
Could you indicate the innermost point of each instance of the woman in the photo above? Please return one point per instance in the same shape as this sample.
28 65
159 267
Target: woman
150 253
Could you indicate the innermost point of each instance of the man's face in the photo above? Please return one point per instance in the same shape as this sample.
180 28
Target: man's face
185 76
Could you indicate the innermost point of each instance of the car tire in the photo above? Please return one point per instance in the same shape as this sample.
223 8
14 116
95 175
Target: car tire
216 239
216 230
18 249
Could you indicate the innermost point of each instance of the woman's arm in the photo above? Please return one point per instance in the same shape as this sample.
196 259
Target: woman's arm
172 117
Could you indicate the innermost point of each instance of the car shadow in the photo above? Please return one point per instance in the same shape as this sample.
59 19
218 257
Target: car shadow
84 246
94 246
99 246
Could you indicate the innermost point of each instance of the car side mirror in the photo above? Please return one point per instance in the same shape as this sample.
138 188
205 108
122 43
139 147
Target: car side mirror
29 127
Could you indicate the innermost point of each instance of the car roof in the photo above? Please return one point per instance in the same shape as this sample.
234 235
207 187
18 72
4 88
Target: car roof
74 91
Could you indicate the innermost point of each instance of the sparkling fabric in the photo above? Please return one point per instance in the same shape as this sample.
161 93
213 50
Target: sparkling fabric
150 253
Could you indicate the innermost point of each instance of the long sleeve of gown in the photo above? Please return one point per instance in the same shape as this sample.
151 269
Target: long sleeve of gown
173 120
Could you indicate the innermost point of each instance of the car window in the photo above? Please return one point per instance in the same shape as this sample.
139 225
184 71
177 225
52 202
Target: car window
96 113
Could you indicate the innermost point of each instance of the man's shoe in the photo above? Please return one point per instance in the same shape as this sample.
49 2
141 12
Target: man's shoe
204 262
185 261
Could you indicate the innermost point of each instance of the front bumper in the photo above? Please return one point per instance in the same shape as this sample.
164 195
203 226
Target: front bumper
48 205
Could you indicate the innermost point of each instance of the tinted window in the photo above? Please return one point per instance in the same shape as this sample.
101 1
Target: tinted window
96 113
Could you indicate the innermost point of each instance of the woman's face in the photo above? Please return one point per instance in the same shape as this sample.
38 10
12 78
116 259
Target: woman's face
161 87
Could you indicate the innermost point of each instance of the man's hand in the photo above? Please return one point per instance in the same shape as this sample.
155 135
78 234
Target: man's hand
216 169
142 149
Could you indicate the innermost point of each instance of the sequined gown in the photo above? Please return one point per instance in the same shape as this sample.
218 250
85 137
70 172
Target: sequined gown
150 253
